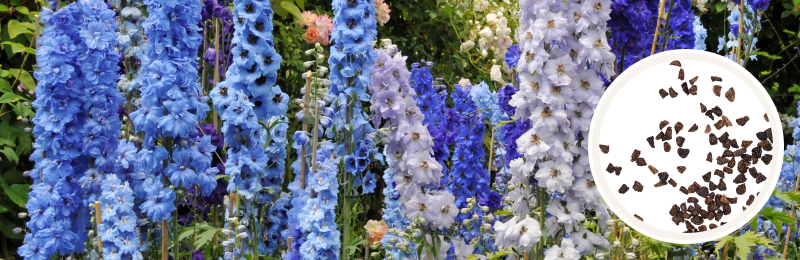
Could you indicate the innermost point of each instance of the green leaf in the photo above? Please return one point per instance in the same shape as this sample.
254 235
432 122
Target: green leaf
188 232
773 57
24 77
720 6
10 154
301 4
778 218
5 87
16 28
206 236
291 8
8 230
3 8
13 176
788 196
3 209
502 213
10 97
22 10
17 48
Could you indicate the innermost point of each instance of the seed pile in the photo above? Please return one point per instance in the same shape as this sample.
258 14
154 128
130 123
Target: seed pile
732 157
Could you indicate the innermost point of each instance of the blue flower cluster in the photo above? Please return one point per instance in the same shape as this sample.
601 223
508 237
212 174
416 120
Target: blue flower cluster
511 131
75 125
633 23
468 177
393 217
318 217
486 101
700 34
430 100
751 28
171 106
118 229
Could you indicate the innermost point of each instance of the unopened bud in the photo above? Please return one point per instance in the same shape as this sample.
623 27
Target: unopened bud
309 51
17 230
22 215
464 210
485 208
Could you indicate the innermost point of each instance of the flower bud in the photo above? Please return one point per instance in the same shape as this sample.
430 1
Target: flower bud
27 129
242 235
91 233
610 222
485 208
635 242
393 240
26 173
617 244
489 217
630 255
392 231
607 234
22 215
389 247
464 210
240 227
374 254
310 51
17 230
475 216
227 231
470 205
308 64
600 256
466 221
26 103
487 226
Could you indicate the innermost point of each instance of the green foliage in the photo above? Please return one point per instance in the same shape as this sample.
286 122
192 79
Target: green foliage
743 243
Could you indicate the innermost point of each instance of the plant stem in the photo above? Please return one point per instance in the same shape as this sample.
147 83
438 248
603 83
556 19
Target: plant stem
791 214
741 25
303 151
164 240
666 28
724 251
658 26
216 65
97 220
491 154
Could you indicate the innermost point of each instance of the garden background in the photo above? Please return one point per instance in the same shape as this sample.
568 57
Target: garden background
451 37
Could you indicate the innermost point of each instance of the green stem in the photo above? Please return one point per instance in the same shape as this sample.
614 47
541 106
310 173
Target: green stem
666 28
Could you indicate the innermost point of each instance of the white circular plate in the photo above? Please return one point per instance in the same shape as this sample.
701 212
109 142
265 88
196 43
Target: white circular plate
632 108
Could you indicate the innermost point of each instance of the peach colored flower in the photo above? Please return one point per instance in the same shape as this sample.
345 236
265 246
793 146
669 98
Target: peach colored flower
382 12
376 230
324 24
309 18
312 35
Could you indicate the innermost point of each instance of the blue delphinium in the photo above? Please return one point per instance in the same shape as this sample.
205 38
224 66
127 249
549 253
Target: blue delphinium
430 100
318 216
393 217
75 126
118 230
750 29
468 177
700 34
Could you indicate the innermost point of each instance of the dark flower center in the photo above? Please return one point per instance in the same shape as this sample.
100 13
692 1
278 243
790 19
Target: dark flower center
277 98
249 8
252 39
259 26
261 80
268 59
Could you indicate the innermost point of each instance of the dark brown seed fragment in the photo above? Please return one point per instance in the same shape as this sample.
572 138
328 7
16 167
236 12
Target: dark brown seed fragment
719 173
719 216
663 176
623 189
635 155
719 124
707 177
751 199
708 129
708 157
652 169
683 207
710 114
675 210
741 178
717 111
722 186
727 121
733 200
604 148
678 127
681 169
730 95
680 74
693 90
732 163
638 186
767 158
675 63
660 136
637 216
702 228
693 80
660 183
692 200
727 153
712 186
667 147
716 78
703 108
727 170
610 168
741 189
651 141
765 145
672 182
739 152
756 151
676 220
766 117
640 161
753 172
663 93
743 120
761 136
685 87
712 226
697 220
702 191
617 170
742 166
760 178
722 160
693 128
744 208
668 133
712 139
746 143
684 190
672 92
717 90
663 124
679 140
734 144
769 134
683 152
726 209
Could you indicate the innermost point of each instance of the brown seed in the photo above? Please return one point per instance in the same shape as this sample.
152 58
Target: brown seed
685 88
697 220
724 200
746 143
710 114
668 133
702 228
680 74
662 124
693 188
743 120
660 183
739 152
683 207
753 172
708 157
722 160
751 199
727 153
733 200
638 186
756 151
722 186
693 90
719 173
744 208
712 226
730 95
675 210
702 108
712 186
741 189
719 124
635 155
693 80
732 163
637 216
740 179
715 78
708 129
663 176
727 170
676 220
761 135
651 141
672 92
726 209
683 152
727 121
672 182
663 93
719 216
760 178
693 128
717 111
692 200
610 168
640 161
679 140
742 166
717 89
684 190
660 136
678 127
767 158
652 169
734 144
681 169
766 117
675 63
604 148
623 189
667 147
707 177
617 170
769 134
702 191
765 145
712 139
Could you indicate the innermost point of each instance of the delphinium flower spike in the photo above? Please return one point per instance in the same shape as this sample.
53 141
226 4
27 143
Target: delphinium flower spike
76 79
118 230
170 106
